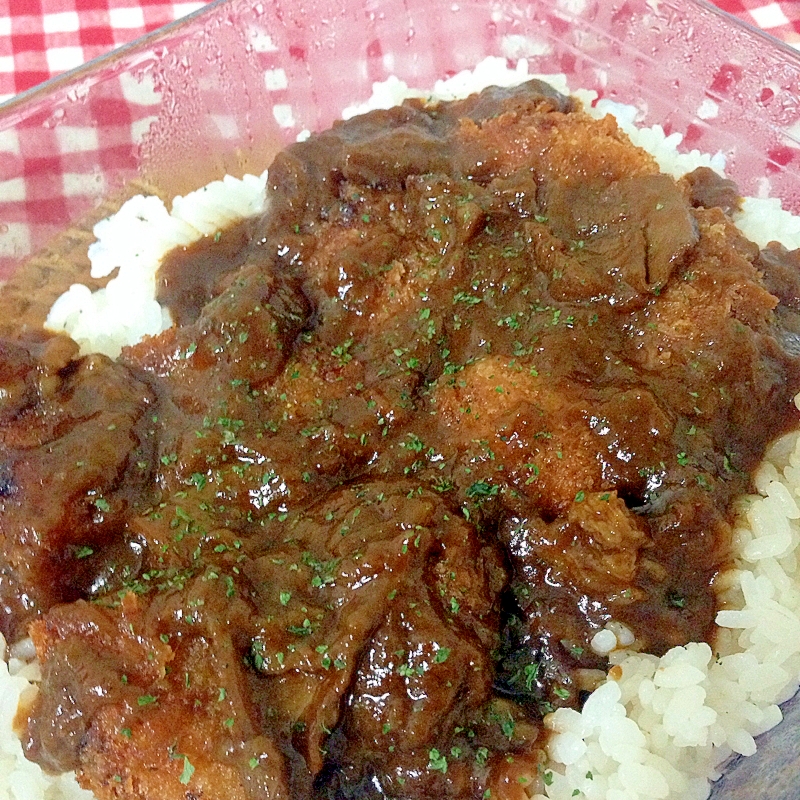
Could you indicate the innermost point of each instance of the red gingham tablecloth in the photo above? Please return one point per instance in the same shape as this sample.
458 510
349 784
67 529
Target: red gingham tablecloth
781 20
43 38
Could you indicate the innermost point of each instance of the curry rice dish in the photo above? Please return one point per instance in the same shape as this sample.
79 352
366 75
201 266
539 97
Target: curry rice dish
480 381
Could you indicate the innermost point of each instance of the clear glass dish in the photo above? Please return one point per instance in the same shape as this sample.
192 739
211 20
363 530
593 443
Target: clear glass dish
224 89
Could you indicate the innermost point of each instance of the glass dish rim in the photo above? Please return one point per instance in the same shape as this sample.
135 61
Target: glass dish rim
29 97
125 56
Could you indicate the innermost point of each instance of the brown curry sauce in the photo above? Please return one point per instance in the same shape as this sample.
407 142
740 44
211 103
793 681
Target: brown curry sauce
479 381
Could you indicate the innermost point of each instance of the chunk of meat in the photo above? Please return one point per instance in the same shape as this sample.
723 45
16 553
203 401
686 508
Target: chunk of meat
147 714
635 232
364 619
594 546
211 373
707 189
73 430
418 680
589 558
781 270
244 333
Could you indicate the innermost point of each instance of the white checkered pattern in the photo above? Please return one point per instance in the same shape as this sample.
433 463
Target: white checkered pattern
43 38
781 19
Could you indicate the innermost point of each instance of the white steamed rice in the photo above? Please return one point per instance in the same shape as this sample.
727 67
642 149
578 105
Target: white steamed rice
656 727
134 242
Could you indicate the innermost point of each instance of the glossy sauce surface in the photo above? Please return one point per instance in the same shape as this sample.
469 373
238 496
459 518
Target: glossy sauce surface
480 381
